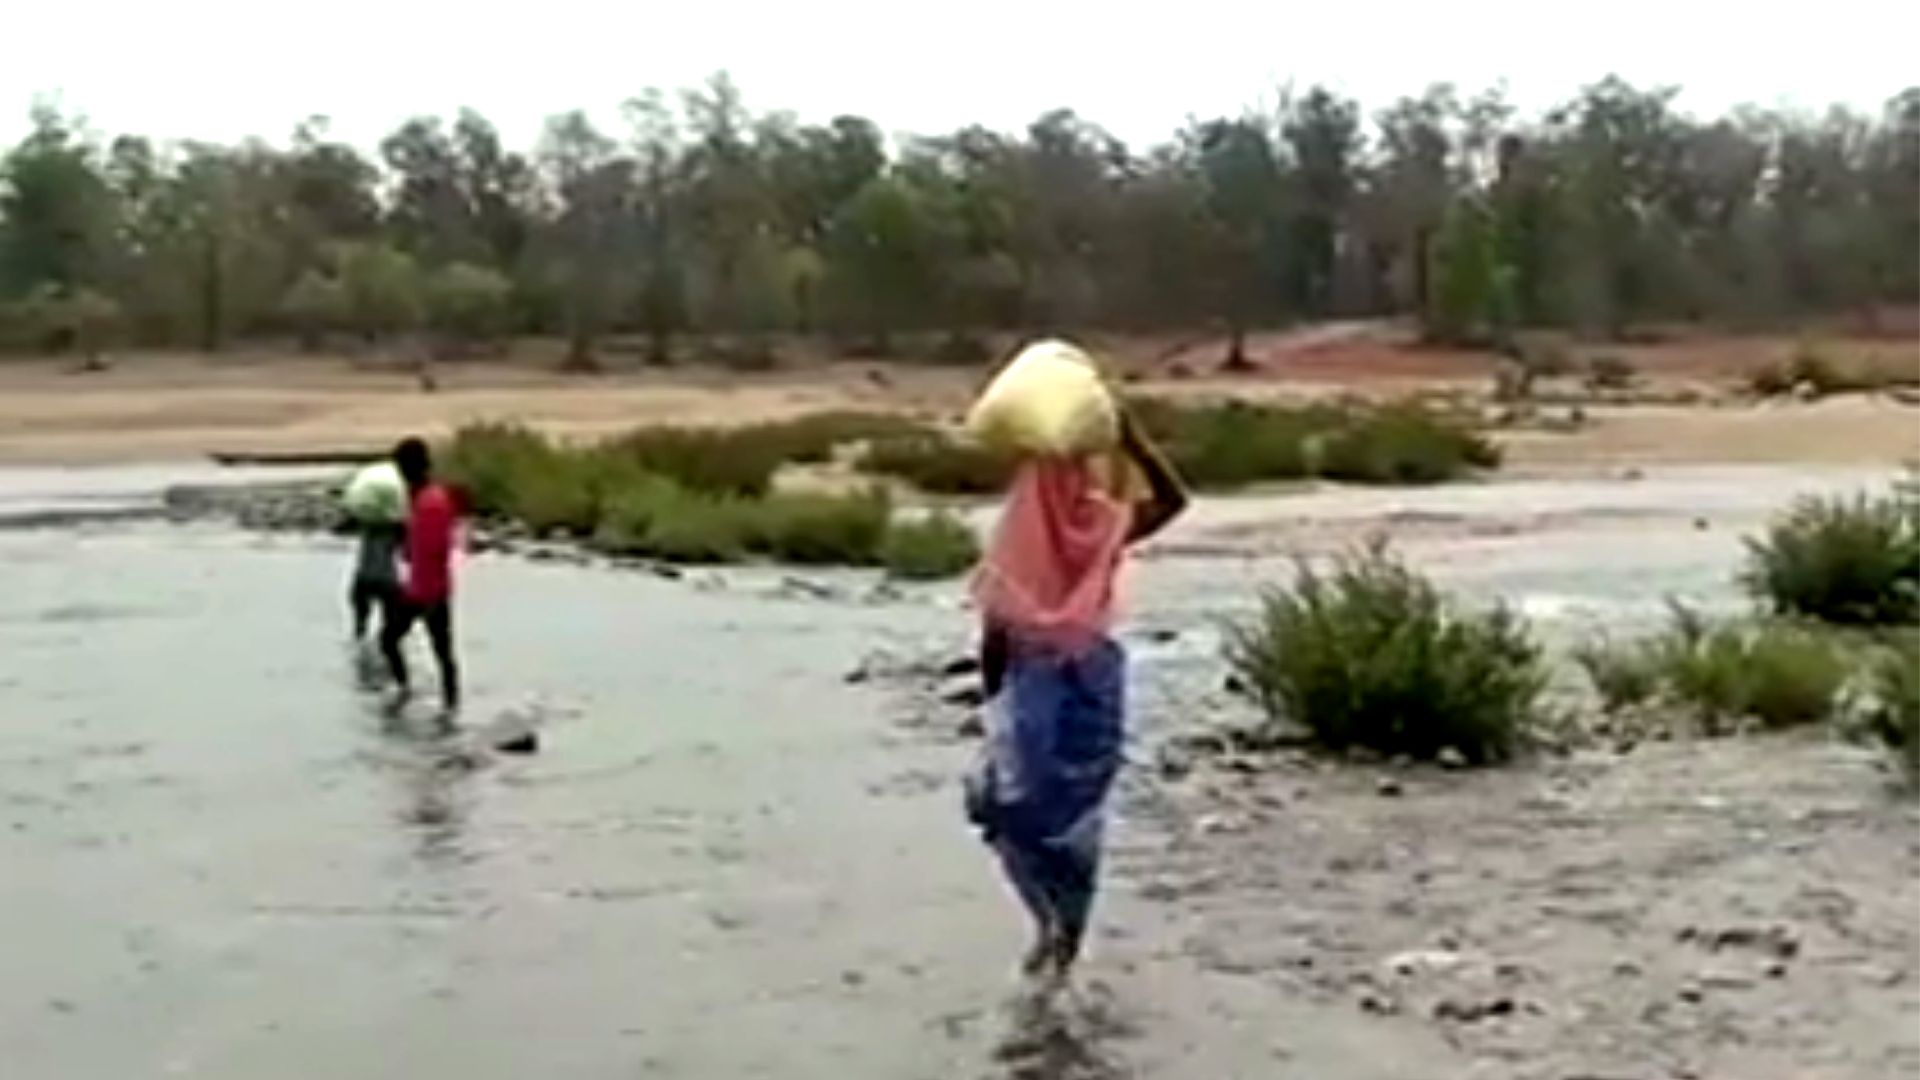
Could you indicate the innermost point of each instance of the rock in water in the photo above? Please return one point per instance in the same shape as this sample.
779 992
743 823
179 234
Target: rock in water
525 742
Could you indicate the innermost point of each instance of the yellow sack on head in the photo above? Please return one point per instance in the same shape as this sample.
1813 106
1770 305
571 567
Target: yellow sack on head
1048 400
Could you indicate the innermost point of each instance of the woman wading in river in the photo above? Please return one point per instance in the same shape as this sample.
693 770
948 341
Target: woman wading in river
1055 679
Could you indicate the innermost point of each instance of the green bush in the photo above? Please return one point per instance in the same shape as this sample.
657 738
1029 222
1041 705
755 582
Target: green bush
1894 715
489 461
1811 367
713 461
939 464
819 529
1370 655
1234 444
1849 561
653 516
1775 673
629 514
939 545
812 439
510 472
1405 444
1609 372
701 529
1624 675
466 301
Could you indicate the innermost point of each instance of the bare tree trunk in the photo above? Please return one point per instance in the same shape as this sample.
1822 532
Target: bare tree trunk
659 345
581 359
1237 350
212 332
1422 269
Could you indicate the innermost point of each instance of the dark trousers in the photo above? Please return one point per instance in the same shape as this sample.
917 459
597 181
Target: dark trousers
364 596
438 615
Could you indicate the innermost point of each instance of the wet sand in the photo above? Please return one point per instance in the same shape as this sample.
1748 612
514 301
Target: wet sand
729 860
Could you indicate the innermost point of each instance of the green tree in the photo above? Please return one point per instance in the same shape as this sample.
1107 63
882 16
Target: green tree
659 207
57 214
458 194
588 238
467 304
315 305
1242 230
887 251
383 289
1472 289
1322 135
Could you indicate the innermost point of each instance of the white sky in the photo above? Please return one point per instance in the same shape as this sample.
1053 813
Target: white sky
224 69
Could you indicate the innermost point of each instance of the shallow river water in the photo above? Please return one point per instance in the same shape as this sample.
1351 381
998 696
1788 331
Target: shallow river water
222 859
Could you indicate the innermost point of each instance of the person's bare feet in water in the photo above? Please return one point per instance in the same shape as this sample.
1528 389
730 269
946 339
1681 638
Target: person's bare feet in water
1039 957
1062 953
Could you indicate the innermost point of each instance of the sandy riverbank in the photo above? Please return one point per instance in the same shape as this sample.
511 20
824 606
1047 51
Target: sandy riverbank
187 409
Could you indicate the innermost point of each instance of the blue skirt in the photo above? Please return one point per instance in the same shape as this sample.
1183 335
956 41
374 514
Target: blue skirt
1054 745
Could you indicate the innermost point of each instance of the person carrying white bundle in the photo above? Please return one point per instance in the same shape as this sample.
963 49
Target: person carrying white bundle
376 504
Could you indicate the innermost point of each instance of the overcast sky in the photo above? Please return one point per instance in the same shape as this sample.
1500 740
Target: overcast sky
224 69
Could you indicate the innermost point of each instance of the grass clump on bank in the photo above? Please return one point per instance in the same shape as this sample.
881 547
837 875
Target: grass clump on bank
1624 675
1233 444
1228 445
1405 444
939 464
657 494
1370 655
1769 673
1893 715
938 545
1812 371
1848 561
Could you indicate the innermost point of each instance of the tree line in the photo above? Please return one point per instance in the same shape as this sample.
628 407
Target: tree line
700 225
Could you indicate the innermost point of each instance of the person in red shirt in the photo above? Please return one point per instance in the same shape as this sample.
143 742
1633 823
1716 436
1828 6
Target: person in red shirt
427 594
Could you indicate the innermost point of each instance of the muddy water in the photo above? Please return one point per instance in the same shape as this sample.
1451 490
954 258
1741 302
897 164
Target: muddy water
222 859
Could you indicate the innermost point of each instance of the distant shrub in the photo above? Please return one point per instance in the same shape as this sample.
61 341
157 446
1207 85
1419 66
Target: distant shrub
819 529
1894 712
629 514
556 494
1405 444
712 461
1370 655
960 350
1611 372
1770 380
1233 444
1853 561
1545 354
1777 674
1811 367
939 464
700 529
658 518
467 302
939 545
489 462
811 439
622 495
1624 675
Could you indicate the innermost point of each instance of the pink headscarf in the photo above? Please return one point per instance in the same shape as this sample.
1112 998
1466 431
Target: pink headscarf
1049 571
